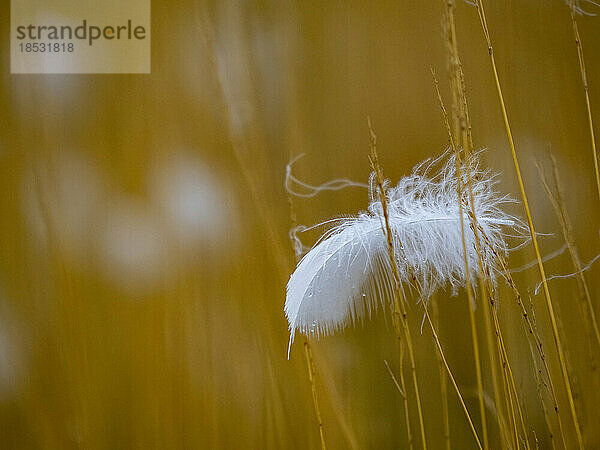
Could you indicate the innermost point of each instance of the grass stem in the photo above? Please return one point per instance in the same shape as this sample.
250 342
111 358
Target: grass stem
443 383
311 376
460 398
556 198
470 299
400 311
549 305
588 106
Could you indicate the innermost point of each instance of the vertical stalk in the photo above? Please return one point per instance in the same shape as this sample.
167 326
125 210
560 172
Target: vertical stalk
443 387
558 204
311 377
549 305
510 378
470 300
588 106
402 389
534 338
405 400
307 348
462 122
400 312
462 402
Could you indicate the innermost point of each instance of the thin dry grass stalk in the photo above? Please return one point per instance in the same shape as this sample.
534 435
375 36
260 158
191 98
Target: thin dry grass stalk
443 382
402 389
549 305
307 348
462 126
556 198
461 121
541 384
462 402
583 73
399 298
337 404
389 369
491 337
311 376
409 434
510 377
534 339
400 313
470 297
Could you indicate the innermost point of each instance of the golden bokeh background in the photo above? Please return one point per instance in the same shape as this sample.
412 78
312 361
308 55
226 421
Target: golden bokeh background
144 223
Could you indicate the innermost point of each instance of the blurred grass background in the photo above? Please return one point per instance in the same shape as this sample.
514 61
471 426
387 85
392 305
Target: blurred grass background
144 224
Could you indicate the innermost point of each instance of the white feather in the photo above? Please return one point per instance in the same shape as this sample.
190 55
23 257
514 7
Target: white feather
347 273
